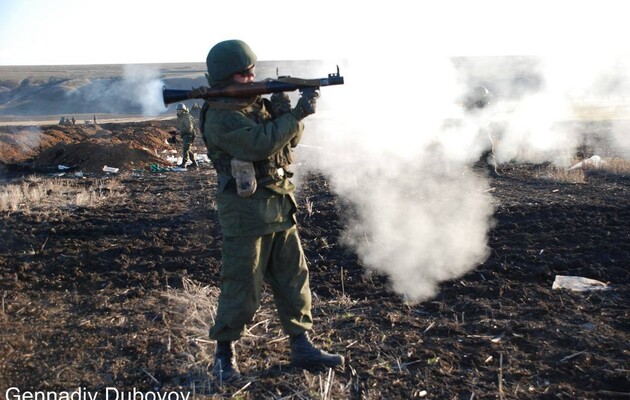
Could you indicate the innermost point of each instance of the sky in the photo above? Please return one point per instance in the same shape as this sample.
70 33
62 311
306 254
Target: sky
60 32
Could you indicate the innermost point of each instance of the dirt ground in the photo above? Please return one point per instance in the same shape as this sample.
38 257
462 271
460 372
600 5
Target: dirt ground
120 295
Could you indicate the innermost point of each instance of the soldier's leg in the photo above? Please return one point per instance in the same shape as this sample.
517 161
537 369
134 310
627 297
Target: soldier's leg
288 276
244 260
241 282
191 156
190 152
185 149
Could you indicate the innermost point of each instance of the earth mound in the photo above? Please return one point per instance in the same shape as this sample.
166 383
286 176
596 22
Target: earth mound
87 148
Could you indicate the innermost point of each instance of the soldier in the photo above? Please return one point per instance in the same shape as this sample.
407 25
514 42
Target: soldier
188 133
251 150
476 101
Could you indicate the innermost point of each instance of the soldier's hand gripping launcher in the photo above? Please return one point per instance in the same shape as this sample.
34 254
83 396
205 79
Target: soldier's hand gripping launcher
280 84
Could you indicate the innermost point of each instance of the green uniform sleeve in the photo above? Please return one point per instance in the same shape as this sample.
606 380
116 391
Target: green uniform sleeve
247 140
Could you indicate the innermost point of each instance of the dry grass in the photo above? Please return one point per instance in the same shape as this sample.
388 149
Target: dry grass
563 175
615 165
618 166
172 326
310 207
45 195
190 313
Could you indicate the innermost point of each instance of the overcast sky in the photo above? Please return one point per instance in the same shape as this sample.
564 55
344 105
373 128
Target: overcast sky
47 32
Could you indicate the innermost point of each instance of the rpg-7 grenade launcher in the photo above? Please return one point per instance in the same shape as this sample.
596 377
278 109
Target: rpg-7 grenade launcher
280 84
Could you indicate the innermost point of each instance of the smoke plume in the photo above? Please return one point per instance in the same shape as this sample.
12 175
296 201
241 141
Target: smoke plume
138 91
143 84
417 214
399 151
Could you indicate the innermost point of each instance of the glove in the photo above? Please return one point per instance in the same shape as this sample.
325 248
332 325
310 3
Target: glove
306 104
280 104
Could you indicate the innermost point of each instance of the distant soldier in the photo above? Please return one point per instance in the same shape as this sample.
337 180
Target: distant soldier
62 121
187 131
74 120
195 110
477 100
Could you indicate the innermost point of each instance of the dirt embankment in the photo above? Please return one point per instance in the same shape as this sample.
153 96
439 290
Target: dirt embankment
88 148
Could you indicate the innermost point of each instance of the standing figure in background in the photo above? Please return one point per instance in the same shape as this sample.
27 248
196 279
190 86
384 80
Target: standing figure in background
474 105
188 133
250 143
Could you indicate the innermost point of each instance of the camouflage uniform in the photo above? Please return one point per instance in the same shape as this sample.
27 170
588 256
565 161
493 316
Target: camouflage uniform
253 138
188 133
261 241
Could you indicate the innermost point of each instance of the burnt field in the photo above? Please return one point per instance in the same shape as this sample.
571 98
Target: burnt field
119 293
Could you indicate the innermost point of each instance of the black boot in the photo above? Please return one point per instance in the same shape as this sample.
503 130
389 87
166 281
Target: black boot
225 368
305 355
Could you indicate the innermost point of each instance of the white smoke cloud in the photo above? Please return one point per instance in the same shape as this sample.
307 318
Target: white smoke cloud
532 131
397 146
579 93
138 91
417 213
621 138
142 84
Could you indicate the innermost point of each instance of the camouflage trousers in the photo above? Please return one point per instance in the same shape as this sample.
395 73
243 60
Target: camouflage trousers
186 153
278 260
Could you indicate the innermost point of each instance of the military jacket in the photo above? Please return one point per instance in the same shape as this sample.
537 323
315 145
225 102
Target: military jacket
252 134
186 125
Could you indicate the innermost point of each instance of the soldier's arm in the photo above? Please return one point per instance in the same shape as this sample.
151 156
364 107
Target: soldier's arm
246 140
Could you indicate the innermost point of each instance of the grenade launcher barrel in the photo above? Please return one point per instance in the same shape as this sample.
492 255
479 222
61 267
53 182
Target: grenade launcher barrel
281 84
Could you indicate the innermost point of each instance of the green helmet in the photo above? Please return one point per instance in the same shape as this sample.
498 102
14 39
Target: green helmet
227 58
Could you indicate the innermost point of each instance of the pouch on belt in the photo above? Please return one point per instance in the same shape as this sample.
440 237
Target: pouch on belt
245 175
